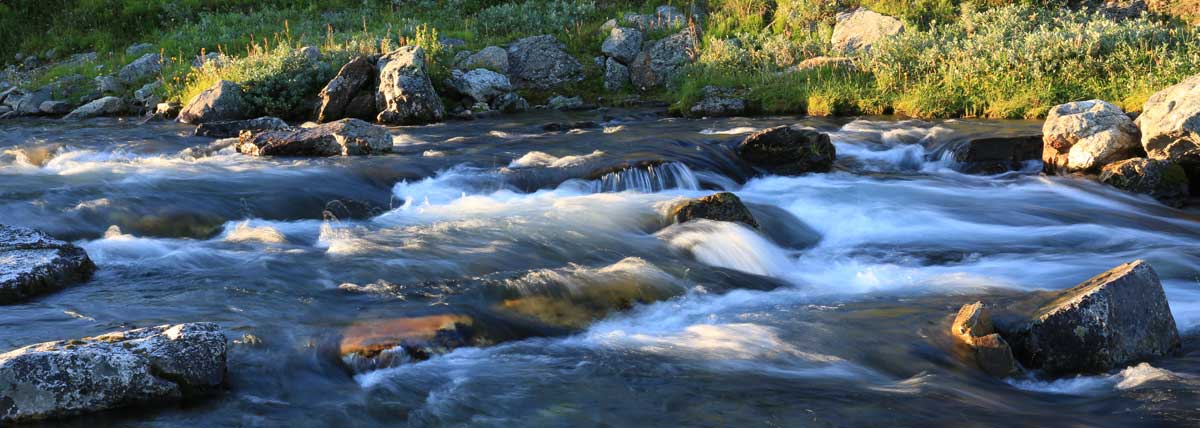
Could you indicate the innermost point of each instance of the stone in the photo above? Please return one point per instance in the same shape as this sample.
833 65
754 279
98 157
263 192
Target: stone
541 62
995 356
995 155
616 75
862 28
493 58
345 137
370 345
785 150
608 26
559 102
622 44
1170 122
145 67
451 42
146 98
718 102
510 103
1082 136
147 365
31 103
35 263
479 85
109 84
1114 319
405 95
106 106
722 206
168 110
55 107
311 53
971 323
351 93
1163 180
663 60
139 49
234 128
221 102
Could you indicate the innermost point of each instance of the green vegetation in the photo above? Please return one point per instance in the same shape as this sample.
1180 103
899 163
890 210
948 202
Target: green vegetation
992 58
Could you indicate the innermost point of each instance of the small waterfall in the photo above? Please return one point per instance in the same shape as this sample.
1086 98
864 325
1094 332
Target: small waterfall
650 178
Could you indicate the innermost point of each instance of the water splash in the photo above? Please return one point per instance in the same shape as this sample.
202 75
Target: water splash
648 179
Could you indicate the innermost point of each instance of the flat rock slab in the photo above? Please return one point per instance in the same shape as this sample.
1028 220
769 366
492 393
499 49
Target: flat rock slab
339 138
147 365
33 263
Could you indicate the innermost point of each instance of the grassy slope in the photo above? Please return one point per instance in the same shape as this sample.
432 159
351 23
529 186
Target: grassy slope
993 60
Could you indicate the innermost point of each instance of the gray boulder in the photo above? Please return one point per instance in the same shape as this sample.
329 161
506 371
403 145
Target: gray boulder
1170 122
1164 180
106 106
541 62
109 84
509 103
616 75
663 60
492 58
1112 320
31 103
479 85
718 102
35 263
405 95
222 101
1082 136
53 107
722 206
995 155
623 44
143 68
862 28
785 150
344 137
351 93
146 98
234 128
135 367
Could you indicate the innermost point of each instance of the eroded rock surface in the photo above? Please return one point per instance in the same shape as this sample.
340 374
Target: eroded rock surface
33 263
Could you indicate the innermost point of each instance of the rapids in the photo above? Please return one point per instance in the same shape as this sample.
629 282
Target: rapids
833 314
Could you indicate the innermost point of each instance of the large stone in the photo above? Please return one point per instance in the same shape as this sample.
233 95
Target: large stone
480 85
718 102
510 103
616 75
109 84
492 58
786 150
222 101
406 96
1112 320
541 62
622 44
862 28
1170 122
234 128
141 69
34 263
994 155
722 206
106 106
351 93
1084 135
135 367
1164 180
660 63
31 103
146 98
339 138
53 107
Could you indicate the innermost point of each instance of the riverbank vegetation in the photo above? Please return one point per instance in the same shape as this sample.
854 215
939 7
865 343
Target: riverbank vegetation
994 58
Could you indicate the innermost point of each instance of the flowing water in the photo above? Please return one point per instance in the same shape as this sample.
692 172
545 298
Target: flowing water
833 314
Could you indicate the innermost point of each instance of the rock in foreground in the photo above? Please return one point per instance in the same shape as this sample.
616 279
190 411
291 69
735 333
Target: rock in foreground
34 263
344 137
147 365
786 150
1109 321
722 206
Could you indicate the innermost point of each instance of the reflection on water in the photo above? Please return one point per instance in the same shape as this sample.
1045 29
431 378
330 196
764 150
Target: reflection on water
597 310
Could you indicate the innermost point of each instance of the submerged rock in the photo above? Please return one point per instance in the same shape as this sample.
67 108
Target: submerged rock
998 154
786 150
234 128
221 102
344 137
1084 135
106 106
542 62
1164 180
147 365
1170 122
861 29
351 93
406 96
1109 321
724 206
35 263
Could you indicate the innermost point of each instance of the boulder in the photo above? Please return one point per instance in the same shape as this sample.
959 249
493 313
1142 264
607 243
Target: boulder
479 85
222 101
1084 135
140 69
351 93
718 102
616 75
559 102
146 98
664 18
786 150
541 62
31 103
109 84
234 128
862 28
35 263
405 95
994 155
510 103
370 345
973 327
106 106
622 44
1164 180
344 137
492 58
660 63
55 107
1112 320
135 367
722 206
1170 122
